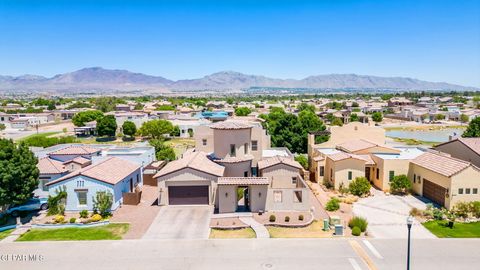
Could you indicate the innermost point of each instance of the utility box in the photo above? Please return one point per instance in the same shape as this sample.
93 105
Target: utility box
339 230
326 225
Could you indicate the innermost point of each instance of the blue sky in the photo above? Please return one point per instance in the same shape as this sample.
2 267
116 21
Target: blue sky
435 40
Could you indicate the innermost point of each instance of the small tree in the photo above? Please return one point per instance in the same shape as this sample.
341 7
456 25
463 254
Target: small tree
302 159
155 128
242 111
162 151
377 117
107 126
400 184
440 117
473 129
336 122
354 117
56 204
359 186
129 128
18 173
2 126
333 204
464 118
175 131
81 118
102 203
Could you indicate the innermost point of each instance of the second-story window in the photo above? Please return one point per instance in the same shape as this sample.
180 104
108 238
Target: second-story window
245 148
204 142
232 150
254 145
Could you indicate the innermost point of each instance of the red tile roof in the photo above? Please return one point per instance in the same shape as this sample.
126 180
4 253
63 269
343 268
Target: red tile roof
265 163
197 161
111 171
50 166
76 150
79 160
441 163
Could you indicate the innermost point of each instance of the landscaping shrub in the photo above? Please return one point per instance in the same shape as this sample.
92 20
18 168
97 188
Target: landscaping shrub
287 219
461 209
400 184
59 219
333 204
72 220
360 186
96 218
475 209
300 217
358 222
103 203
56 202
272 218
84 214
356 231
415 212
437 213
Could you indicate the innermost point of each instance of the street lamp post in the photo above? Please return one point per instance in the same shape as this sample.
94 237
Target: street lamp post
409 226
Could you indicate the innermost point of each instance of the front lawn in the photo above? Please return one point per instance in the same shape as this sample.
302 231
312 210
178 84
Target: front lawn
113 231
314 230
5 233
240 233
460 230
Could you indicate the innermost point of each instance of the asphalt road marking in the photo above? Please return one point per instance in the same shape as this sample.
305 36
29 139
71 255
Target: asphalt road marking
362 254
354 264
372 249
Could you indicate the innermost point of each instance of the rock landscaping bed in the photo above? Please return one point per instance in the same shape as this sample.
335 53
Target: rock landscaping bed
284 219
227 223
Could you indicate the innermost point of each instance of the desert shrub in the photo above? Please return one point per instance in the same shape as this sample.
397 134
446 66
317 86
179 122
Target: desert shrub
415 212
475 208
333 204
437 213
287 219
56 203
359 186
400 184
96 218
327 184
358 222
83 214
272 218
300 217
356 231
461 209
59 219
103 203
72 220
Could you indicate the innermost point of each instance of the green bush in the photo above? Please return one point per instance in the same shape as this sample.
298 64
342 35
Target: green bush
461 209
358 222
72 220
333 204
56 203
103 203
272 218
287 219
43 141
300 217
303 160
359 186
84 214
475 208
400 184
356 231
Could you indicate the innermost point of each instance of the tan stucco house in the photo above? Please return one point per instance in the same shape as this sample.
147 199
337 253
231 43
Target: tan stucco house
227 169
467 149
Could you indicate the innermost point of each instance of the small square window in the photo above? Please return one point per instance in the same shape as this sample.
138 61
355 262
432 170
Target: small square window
294 180
204 142
475 191
254 145
467 191
245 148
460 191
391 174
82 197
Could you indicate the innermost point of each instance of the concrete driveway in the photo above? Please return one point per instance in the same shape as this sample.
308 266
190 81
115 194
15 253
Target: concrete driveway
181 222
387 215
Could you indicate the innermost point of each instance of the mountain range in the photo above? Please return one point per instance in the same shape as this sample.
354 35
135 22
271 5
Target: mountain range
100 79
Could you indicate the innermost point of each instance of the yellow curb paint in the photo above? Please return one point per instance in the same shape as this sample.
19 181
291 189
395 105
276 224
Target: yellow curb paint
362 254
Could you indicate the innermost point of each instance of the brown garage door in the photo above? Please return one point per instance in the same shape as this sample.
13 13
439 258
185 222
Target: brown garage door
187 195
434 192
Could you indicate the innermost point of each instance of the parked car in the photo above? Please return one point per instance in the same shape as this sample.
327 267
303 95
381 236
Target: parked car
33 204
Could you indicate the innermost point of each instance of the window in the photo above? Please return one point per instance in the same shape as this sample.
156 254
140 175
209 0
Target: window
349 175
254 145
475 191
294 180
44 184
391 174
245 174
254 171
277 196
204 142
138 178
232 150
467 191
414 178
322 170
80 183
297 196
82 197
331 173
245 148
378 173
460 191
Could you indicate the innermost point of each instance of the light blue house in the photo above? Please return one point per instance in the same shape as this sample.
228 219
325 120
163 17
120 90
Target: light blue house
114 175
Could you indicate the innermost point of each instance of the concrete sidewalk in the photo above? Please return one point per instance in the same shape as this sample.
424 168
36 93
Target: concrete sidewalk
259 229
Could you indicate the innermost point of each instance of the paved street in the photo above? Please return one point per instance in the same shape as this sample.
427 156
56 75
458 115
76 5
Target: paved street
245 254
177 222
387 215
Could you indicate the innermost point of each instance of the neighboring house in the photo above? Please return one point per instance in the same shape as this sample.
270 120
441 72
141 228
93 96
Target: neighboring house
467 149
114 175
228 163
444 179
74 151
49 170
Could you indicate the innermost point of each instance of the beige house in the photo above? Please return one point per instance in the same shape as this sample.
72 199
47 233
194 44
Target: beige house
444 179
227 170
467 149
